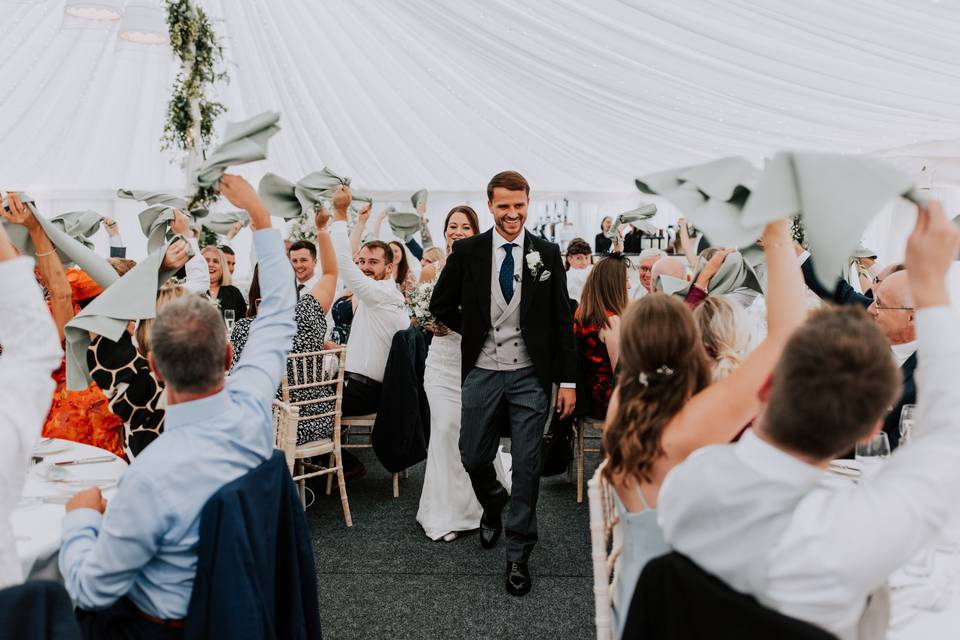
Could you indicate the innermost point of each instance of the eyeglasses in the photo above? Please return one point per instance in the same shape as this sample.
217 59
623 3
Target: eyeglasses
882 307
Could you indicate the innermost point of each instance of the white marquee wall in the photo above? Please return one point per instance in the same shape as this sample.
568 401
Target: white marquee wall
579 96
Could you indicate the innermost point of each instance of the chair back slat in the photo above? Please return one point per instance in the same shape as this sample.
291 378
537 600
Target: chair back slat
604 539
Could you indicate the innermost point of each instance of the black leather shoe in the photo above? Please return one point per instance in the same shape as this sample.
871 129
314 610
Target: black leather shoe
491 526
518 579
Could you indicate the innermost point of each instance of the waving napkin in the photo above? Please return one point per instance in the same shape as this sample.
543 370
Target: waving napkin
837 196
242 142
79 225
155 220
289 201
404 224
132 297
419 197
221 222
69 249
734 273
637 218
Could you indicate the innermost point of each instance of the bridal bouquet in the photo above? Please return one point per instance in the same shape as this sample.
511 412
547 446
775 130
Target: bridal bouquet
418 302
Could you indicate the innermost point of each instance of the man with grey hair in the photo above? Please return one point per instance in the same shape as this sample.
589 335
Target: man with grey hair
130 568
645 261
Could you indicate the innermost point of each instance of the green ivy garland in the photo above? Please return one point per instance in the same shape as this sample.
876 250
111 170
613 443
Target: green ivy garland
201 58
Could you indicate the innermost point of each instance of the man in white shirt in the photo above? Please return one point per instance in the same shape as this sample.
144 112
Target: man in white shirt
31 351
578 258
759 515
303 259
381 312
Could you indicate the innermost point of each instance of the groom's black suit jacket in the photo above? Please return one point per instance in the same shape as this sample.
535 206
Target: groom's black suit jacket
461 301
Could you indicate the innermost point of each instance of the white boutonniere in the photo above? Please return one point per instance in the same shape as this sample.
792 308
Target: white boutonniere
534 264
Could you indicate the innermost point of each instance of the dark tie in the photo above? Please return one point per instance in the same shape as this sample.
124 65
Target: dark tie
506 272
300 288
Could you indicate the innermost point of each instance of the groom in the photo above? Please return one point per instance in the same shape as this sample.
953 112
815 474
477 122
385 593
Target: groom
505 293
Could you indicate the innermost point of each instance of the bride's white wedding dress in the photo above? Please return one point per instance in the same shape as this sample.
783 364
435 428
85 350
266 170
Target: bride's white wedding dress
447 503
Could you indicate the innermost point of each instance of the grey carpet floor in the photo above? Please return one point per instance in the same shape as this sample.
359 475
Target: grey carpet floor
383 578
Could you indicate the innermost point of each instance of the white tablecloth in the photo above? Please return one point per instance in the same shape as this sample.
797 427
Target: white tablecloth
928 607
37 525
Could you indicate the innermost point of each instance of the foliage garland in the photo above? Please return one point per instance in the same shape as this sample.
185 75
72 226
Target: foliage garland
201 58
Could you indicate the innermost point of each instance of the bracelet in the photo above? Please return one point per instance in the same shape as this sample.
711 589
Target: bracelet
46 253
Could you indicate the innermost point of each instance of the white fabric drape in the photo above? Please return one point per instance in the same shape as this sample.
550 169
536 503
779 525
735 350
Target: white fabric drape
579 96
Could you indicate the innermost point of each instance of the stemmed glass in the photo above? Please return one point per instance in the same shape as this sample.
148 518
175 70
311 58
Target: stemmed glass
872 452
907 421
229 318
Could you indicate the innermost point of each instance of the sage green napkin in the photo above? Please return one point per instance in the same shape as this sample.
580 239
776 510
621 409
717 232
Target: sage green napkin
79 225
154 197
132 297
735 273
837 196
69 249
418 197
155 219
636 217
155 222
404 224
220 222
863 252
290 200
242 142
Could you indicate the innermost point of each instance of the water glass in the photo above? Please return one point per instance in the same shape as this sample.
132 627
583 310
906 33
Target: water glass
907 419
229 317
872 452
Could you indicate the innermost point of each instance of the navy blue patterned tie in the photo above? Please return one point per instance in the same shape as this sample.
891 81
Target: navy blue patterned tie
506 272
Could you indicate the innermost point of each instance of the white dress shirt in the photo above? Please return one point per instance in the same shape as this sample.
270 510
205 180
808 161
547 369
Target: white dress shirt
381 311
31 351
198 277
842 541
309 283
902 352
576 279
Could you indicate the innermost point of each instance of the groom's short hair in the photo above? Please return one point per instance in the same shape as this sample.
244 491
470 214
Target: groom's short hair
509 180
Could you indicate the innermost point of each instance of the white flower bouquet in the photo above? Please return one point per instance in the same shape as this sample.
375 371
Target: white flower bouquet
418 302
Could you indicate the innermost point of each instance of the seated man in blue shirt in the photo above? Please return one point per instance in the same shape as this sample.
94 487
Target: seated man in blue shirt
132 568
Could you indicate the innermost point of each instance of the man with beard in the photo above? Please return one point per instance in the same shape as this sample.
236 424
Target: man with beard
380 312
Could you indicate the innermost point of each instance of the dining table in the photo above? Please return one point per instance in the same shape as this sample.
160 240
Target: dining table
60 469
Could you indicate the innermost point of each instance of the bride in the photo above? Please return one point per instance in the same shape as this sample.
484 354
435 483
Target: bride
447 505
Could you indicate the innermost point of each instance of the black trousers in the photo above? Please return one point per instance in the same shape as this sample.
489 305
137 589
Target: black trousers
122 622
360 398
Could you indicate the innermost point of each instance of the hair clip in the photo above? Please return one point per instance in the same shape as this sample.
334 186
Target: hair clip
663 371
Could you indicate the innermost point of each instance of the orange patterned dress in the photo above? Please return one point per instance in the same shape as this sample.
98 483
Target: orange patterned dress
83 416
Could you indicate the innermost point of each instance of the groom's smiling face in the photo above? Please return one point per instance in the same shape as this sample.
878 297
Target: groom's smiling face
509 210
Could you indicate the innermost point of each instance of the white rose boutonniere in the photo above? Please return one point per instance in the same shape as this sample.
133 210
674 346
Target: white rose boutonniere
534 263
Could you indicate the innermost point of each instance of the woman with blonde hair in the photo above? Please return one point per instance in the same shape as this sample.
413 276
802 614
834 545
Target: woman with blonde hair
665 407
227 295
726 337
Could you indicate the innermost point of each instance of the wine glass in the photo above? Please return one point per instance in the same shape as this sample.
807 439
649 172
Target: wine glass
871 453
907 419
229 318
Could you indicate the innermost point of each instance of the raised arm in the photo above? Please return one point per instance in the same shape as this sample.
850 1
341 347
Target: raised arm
686 243
424 226
117 248
914 495
326 286
719 412
356 236
263 364
378 222
364 289
48 262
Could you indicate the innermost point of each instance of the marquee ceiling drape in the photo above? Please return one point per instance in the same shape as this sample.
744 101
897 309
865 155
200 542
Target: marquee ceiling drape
580 96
